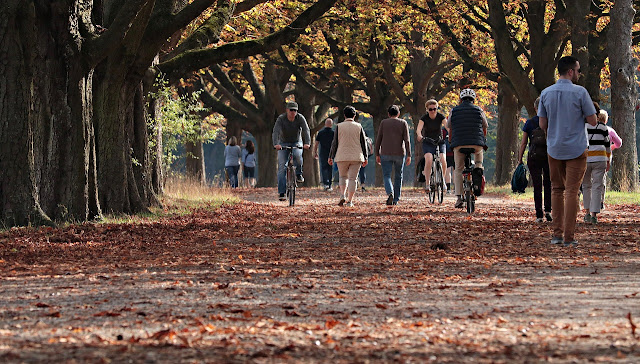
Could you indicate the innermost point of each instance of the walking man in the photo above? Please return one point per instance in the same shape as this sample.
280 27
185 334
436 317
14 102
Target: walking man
321 152
392 145
564 109
291 129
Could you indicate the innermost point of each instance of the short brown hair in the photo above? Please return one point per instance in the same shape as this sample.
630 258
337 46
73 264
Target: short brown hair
430 102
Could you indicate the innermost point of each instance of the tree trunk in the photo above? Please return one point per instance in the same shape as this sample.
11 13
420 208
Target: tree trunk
623 95
507 135
267 160
579 12
45 132
195 162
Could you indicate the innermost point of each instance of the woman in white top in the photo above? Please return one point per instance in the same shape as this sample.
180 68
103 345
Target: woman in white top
349 151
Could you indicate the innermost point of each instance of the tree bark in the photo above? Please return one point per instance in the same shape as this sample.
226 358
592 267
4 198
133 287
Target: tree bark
45 132
268 169
507 135
624 95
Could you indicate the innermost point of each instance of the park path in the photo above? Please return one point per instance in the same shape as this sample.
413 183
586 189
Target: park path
260 281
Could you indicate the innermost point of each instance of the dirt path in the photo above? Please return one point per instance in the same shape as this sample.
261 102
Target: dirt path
263 282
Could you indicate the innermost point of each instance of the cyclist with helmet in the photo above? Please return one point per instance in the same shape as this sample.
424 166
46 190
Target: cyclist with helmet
467 126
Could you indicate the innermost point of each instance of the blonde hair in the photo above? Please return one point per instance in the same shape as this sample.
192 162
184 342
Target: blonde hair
232 141
603 116
430 102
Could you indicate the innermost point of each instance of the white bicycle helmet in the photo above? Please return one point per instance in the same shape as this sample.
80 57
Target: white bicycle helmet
467 92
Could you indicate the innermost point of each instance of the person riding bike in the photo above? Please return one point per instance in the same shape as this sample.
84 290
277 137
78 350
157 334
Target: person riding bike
291 129
467 126
430 126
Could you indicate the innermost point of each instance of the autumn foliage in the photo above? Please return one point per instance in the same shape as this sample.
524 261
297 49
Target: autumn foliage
261 281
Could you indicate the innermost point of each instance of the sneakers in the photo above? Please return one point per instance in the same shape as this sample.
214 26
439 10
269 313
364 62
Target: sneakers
299 178
363 189
556 240
587 218
281 197
539 220
594 220
459 203
342 201
427 188
571 243
349 204
390 199
547 215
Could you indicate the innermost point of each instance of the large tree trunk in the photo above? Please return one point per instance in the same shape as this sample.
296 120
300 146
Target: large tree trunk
507 136
267 161
45 134
623 95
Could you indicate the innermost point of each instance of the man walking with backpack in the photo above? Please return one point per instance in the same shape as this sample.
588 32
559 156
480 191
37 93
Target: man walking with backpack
538 164
564 109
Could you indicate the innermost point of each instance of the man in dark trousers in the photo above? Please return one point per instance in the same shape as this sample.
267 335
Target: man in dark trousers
563 111
321 152
392 145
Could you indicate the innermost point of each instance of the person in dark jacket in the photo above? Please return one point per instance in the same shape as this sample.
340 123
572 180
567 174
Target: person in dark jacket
324 138
467 127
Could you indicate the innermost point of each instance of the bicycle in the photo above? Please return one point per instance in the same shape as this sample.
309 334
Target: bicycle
292 181
436 181
468 188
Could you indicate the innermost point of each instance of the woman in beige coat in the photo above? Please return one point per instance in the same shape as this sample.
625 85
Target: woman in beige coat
349 151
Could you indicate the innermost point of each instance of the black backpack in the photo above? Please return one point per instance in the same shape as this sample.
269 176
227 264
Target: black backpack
538 145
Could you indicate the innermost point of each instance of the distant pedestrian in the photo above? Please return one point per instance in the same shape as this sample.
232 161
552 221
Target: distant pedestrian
324 138
598 159
564 108
393 150
232 155
362 175
538 164
249 164
349 151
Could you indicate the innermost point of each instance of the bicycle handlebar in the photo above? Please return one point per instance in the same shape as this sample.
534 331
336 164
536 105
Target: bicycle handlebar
440 141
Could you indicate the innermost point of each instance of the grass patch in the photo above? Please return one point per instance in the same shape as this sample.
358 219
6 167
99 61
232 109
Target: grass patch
612 197
181 197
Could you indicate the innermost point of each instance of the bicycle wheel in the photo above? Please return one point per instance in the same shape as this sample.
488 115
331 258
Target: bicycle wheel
291 186
292 196
432 188
438 182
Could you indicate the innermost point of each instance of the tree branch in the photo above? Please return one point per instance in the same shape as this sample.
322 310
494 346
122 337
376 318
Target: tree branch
198 59
95 49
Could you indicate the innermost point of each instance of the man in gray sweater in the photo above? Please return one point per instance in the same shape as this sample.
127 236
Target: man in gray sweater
392 145
291 129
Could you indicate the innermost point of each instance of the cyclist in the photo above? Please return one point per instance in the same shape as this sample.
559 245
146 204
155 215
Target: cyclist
291 129
430 126
467 127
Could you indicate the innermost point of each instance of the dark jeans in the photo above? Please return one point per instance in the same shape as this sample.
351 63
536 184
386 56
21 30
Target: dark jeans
395 163
540 177
326 170
232 172
362 176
